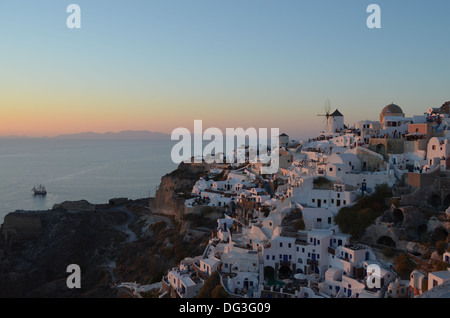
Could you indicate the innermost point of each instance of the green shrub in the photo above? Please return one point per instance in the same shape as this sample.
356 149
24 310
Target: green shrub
355 219
212 288
403 266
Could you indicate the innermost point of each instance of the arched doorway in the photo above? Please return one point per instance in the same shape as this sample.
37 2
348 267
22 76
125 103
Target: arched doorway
386 241
398 216
381 149
284 272
435 200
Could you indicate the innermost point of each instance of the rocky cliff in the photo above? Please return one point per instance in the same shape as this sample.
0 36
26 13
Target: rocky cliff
174 187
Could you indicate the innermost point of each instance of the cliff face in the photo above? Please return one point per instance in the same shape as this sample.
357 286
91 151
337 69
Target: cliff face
38 246
169 198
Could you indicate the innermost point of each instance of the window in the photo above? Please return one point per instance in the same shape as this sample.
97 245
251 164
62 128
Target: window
273 257
281 244
267 257
434 147
318 242
313 200
318 256
329 220
289 245
332 201
331 169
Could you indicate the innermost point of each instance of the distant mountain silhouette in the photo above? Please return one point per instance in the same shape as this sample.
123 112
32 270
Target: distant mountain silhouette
123 135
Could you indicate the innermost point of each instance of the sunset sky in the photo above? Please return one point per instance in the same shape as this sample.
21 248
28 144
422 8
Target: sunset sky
160 64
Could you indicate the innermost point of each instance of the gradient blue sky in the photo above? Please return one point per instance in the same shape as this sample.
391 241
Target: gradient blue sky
160 64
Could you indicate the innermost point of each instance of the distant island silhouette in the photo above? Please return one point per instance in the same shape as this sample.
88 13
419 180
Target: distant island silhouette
122 135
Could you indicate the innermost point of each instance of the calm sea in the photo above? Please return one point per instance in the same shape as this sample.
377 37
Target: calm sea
93 170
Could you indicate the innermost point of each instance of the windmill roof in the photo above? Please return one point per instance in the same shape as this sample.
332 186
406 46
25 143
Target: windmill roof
337 114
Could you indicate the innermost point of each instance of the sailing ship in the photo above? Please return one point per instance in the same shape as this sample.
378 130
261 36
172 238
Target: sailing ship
39 190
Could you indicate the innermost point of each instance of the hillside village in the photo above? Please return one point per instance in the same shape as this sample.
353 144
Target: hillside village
285 236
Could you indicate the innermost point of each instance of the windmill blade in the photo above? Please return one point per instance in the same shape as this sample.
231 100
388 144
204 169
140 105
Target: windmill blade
327 107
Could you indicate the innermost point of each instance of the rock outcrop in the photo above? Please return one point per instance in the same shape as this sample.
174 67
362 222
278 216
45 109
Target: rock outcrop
174 187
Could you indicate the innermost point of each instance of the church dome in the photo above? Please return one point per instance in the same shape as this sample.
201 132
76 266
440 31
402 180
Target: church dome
391 109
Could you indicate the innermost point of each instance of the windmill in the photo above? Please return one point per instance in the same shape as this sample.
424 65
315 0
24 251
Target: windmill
327 115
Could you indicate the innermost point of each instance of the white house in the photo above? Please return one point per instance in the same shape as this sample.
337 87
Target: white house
333 282
398 288
317 218
284 140
446 257
340 164
182 282
417 283
351 287
236 259
438 278
201 185
349 258
243 283
209 265
438 149
331 198
223 226
345 141
227 185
